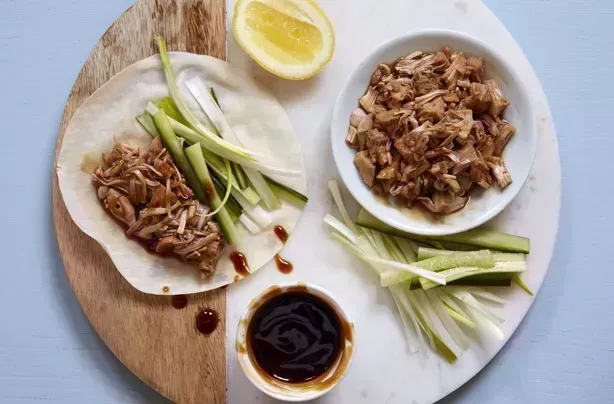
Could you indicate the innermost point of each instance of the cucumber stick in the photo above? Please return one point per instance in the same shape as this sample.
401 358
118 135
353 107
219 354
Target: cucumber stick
479 237
479 259
453 274
214 162
197 160
171 142
287 193
425 253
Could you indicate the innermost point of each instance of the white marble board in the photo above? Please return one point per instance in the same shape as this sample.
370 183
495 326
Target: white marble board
383 371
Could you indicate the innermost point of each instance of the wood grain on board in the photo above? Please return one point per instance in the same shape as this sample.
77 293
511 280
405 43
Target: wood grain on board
157 342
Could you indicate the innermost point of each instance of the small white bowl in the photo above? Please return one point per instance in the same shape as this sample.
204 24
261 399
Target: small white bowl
294 392
518 155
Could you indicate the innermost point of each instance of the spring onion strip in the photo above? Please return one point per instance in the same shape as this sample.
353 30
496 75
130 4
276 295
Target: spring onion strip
219 188
212 110
428 313
188 115
239 175
484 319
259 215
248 197
227 194
413 301
168 105
232 206
249 224
237 170
338 226
380 246
482 293
448 322
459 317
423 273
345 243
358 249
207 103
262 187
436 315
406 247
247 194
369 235
148 124
518 281
217 102
215 144
437 244
333 186
405 321
394 249
213 161
450 302
232 214
493 327
401 298
473 304
367 247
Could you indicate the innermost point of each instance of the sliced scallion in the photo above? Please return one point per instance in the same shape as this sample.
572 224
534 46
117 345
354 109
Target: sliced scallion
211 141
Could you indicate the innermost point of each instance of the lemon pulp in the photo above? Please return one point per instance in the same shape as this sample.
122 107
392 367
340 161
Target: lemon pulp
286 36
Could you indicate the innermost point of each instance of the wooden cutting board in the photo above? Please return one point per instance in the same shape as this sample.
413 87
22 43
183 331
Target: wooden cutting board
158 343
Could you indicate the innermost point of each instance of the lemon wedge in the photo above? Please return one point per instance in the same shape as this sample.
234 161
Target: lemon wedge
293 39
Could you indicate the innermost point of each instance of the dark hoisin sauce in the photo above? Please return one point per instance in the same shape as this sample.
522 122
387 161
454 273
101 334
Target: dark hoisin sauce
295 337
239 261
179 301
206 321
283 265
281 233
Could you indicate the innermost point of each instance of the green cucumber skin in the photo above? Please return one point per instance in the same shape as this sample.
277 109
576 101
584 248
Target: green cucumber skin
224 219
484 238
171 142
476 280
285 192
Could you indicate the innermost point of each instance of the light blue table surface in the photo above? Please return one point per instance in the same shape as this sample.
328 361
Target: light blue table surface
562 353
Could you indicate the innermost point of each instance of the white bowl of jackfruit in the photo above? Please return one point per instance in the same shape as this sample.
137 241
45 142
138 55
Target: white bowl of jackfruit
519 153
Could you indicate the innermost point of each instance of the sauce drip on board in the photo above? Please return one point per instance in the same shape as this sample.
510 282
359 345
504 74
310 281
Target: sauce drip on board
206 321
295 337
179 301
281 233
240 263
284 266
